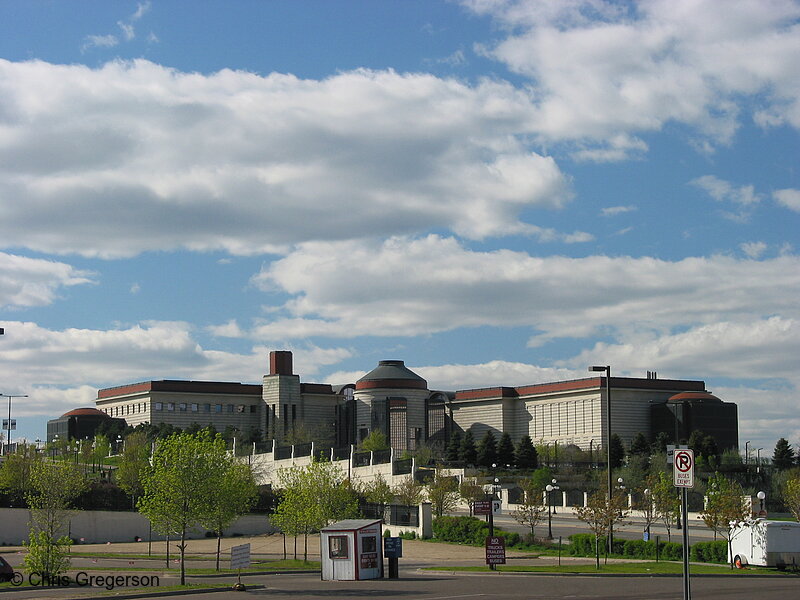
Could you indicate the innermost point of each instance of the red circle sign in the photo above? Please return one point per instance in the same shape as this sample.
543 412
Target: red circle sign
683 461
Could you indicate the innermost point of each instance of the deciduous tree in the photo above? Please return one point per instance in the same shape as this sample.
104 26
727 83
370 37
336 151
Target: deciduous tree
531 511
443 494
725 505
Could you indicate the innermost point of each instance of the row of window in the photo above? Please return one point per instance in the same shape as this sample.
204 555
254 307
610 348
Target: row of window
141 407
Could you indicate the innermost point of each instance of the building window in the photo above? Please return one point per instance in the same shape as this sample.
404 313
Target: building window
158 406
338 547
206 408
218 408
170 406
230 408
182 407
240 408
195 407
253 408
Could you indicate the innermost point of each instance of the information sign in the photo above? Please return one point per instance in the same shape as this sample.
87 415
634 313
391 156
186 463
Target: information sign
13 424
482 507
393 547
495 550
240 556
683 471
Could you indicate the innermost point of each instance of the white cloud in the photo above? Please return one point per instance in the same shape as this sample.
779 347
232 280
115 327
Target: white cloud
612 211
765 415
410 287
753 249
790 198
250 164
28 282
723 191
99 41
35 358
601 69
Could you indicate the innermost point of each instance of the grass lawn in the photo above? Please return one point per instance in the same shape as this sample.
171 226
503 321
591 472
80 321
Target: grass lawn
628 568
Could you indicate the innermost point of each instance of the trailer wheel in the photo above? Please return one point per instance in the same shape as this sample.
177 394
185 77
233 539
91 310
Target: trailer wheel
738 563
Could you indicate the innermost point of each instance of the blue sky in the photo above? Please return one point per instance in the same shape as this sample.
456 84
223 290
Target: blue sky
496 192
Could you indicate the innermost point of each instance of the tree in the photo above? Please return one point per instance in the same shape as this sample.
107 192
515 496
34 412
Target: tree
526 456
487 450
454 448
531 511
468 454
376 440
665 501
53 487
505 450
617 452
234 493
378 491
725 505
791 494
663 439
15 472
470 491
312 497
443 494
639 446
783 455
646 503
600 514
179 484
133 464
409 491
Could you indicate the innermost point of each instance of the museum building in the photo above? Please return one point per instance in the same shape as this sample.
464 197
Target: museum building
398 402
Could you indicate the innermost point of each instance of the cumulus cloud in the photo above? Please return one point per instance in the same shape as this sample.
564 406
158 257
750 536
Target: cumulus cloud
250 164
417 286
26 282
58 364
603 69
790 198
754 249
612 211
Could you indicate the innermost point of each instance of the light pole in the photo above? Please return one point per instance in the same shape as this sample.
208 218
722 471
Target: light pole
649 507
8 424
761 496
607 370
746 453
758 460
550 487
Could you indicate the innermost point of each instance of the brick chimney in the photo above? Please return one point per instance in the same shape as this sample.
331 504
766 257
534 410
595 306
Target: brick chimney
280 362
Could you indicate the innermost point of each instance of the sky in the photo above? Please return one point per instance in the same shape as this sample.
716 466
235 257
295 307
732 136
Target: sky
498 192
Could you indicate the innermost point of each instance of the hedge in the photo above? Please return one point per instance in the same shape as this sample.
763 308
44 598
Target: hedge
583 544
710 552
469 530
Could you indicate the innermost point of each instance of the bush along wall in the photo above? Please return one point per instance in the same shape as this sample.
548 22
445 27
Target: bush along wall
469 530
710 552
583 544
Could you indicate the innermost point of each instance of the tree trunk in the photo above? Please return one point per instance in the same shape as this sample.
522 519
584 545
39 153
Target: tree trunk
219 541
182 548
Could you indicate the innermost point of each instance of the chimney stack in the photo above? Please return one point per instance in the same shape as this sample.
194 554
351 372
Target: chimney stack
280 362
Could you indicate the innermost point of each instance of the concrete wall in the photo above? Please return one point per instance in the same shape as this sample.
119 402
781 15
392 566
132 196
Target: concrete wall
100 526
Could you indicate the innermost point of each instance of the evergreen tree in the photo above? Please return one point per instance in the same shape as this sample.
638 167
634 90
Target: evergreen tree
487 450
783 456
468 454
505 450
617 451
452 454
697 442
639 446
663 439
526 456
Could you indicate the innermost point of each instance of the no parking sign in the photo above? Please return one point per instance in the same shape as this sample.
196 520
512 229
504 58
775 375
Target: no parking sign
683 471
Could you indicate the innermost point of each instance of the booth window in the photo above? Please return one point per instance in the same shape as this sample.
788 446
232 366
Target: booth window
337 546
369 544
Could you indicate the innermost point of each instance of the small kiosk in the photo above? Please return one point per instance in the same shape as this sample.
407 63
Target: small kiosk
352 550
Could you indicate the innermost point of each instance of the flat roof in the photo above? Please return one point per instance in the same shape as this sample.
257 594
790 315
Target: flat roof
172 385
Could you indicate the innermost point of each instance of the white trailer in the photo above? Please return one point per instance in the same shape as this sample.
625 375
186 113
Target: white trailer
765 544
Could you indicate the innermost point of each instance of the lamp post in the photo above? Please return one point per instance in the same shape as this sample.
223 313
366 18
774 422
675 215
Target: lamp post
607 370
761 496
649 507
8 424
758 460
550 487
746 454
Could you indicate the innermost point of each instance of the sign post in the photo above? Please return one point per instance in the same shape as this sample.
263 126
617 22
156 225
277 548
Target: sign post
683 477
240 559
393 549
495 550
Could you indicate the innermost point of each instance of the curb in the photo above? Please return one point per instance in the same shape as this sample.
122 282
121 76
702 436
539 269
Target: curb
579 574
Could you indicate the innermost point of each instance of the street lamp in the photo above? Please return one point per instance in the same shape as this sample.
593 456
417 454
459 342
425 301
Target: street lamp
649 504
607 370
550 487
8 424
758 460
761 496
747 453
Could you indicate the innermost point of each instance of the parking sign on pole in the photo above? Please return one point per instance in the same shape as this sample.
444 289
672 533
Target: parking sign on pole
683 473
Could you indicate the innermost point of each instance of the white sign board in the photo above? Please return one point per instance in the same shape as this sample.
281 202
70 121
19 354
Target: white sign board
240 556
683 468
497 507
13 424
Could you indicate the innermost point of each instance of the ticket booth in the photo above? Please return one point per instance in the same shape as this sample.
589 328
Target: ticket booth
352 550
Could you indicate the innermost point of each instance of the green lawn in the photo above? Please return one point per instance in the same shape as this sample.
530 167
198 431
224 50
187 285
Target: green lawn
634 568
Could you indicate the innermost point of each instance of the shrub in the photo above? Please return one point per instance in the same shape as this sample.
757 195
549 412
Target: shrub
469 530
583 544
409 535
710 552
